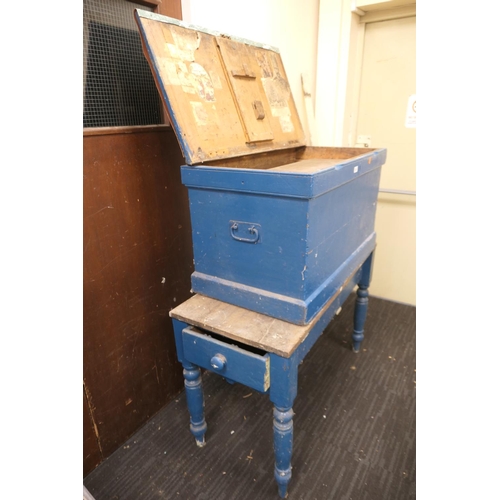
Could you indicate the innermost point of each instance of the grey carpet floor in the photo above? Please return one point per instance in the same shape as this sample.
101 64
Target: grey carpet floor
354 428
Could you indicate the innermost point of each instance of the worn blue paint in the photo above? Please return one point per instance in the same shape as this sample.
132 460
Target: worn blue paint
193 385
367 271
361 307
325 319
313 231
195 348
283 444
289 184
283 390
178 327
195 401
275 304
218 362
227 360
284 376
360 312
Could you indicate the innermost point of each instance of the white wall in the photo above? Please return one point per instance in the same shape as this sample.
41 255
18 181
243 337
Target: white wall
289 25
388 80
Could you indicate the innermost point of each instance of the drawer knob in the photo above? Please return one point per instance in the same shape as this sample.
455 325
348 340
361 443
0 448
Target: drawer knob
218 362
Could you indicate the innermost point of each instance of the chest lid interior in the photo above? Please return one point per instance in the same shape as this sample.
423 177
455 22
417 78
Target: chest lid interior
226 97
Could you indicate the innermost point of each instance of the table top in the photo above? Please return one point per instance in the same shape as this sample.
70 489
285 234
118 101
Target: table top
245 326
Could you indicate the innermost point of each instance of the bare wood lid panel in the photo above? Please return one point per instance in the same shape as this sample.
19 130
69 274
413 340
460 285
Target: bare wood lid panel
242 325
225 97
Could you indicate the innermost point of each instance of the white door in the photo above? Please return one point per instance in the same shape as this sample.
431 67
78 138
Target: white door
388 79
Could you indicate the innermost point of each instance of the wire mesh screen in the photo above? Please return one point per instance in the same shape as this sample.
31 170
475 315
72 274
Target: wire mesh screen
119 89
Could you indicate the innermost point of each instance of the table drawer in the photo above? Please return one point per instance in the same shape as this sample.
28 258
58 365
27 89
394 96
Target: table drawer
230 361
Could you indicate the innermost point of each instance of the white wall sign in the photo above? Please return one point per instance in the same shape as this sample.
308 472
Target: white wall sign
411 112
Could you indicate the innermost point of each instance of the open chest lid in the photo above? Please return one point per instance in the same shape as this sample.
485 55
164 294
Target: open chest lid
225 96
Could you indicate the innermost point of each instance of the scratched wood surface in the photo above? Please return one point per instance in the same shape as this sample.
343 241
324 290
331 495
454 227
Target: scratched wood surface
308 159
91 452
227 98
242 325
261 161
249 327
107 420
137 266
334 153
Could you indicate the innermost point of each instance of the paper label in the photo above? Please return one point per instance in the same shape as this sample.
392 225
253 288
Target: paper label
199 112
286 124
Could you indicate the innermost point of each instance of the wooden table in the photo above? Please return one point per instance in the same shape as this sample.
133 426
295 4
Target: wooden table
258 351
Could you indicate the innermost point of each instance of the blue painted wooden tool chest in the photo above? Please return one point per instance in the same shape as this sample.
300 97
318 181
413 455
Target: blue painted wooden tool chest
277 226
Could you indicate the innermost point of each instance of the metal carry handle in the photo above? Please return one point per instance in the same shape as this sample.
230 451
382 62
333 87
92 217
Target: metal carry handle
253 230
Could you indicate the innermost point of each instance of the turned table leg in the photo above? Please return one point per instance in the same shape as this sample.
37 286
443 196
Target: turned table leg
283 444
194 388
360 311
361 307
195 402
282 393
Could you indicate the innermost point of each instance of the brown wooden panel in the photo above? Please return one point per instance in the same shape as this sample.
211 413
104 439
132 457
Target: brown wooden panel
137 265
170 8
91 452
